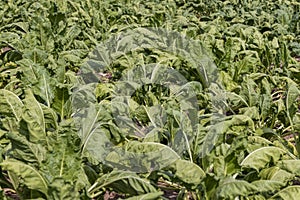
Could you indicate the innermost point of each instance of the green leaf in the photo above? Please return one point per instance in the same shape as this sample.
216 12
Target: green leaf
259 158
39 79
183 137
267 185
149 196
289 193
50 118
255 197
187 172
276 174
11 108
250 92
45 88
123 182
292 94
60 189
231 188
142 156
25 150
292 166
91 128
10 104
32 178
34 117
60 102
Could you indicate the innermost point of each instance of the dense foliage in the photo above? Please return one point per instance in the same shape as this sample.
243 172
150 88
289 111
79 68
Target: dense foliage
249 117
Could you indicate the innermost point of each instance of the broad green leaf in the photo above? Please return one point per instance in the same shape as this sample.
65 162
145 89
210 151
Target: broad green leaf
14 178
282 176
60 189
243 120
142 156
250 92
45 88
256 142
256 197
187 172
33 115
259 140
24 150
39 79
231 188
90 173
267 185
32 177
211 136
11 108
64 161
90 126
276 174
183 137
259 158
123 182
289 193
250 112
265 100
50 118
228 82
71 58
10 104
156 115
292 94
149 196
292 166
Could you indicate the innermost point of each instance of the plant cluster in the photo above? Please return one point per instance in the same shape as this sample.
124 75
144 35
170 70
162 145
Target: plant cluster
64 131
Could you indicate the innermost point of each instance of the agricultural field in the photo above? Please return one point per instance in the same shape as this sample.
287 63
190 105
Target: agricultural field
132 99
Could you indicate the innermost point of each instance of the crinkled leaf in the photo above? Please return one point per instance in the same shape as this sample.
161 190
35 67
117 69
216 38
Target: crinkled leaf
143 156
267 185
289 193
261 157
187 172
25 150
292 94
39 79
60 189
50 118
292 166
123 182
31 176
276 174
34 117
232 188
10 104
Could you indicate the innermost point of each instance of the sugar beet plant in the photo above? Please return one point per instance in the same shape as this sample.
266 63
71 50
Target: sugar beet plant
149 100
